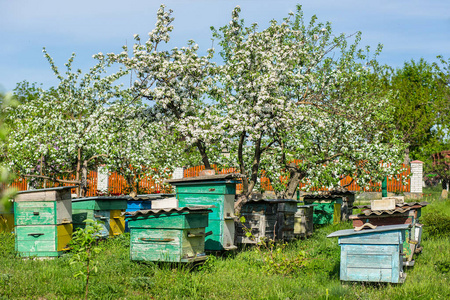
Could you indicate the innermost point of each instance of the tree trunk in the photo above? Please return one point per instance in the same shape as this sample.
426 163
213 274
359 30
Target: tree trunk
84 173
77 173
407 160
294 180
204 155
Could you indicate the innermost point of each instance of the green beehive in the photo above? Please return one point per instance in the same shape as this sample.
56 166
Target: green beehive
107 210
217 190
331 206
43 221
168 234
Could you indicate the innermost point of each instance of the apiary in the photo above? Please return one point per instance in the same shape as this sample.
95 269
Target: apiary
372 255
105 209
43 221
168 234
267 218
216 190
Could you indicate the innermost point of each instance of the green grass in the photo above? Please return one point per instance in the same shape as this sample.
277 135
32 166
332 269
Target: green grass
238 275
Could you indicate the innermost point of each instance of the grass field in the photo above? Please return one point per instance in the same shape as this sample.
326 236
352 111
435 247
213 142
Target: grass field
303 269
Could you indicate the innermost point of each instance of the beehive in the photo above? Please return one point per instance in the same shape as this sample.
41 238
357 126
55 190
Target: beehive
373 255
170 235
107 210
216 190
43 221
403 213
267 218
332 206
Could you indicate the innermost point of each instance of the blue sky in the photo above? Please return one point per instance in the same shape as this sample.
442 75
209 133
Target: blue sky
407 29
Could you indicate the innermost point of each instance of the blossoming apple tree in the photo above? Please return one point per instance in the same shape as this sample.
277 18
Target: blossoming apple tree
175 82
84 121
294 92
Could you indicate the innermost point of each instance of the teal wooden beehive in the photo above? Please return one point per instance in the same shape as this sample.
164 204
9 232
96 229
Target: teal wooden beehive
373 255
168 234
107 210
217 190
43 221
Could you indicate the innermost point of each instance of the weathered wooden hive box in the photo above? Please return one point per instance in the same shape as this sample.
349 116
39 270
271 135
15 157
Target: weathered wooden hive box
303 224
267 218
6 218
168 234
217 190
331 206
107 210
373 255
403 213
43 221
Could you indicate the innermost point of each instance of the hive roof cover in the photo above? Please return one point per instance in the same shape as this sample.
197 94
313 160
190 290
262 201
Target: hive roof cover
348 232
147 212
219 177
59 188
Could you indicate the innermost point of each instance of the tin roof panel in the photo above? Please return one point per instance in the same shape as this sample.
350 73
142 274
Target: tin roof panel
157 211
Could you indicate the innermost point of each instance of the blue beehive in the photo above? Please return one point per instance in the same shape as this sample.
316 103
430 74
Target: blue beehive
373 254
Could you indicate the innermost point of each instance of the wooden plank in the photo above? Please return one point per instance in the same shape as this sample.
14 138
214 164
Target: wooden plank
205 188
64 211
116 222
170 221
201 199
370 275
370 261
35 213
64 236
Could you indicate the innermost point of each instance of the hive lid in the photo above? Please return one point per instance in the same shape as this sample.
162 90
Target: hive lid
102 198
349 232
157 211
220 177
59 188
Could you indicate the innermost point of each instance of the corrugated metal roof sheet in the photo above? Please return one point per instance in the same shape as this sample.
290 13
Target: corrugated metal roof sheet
348 232
334 193
273 200
147 212
400 208
206 178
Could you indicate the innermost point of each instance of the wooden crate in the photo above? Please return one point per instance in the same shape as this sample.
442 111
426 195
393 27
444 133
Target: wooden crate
107 210
43 221
373 255
170 235
267 218
217 190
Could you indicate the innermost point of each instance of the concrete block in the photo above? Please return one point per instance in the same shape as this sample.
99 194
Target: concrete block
165 203
384 204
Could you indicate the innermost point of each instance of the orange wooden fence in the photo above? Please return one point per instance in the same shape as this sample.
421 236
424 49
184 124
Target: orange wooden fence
117 183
